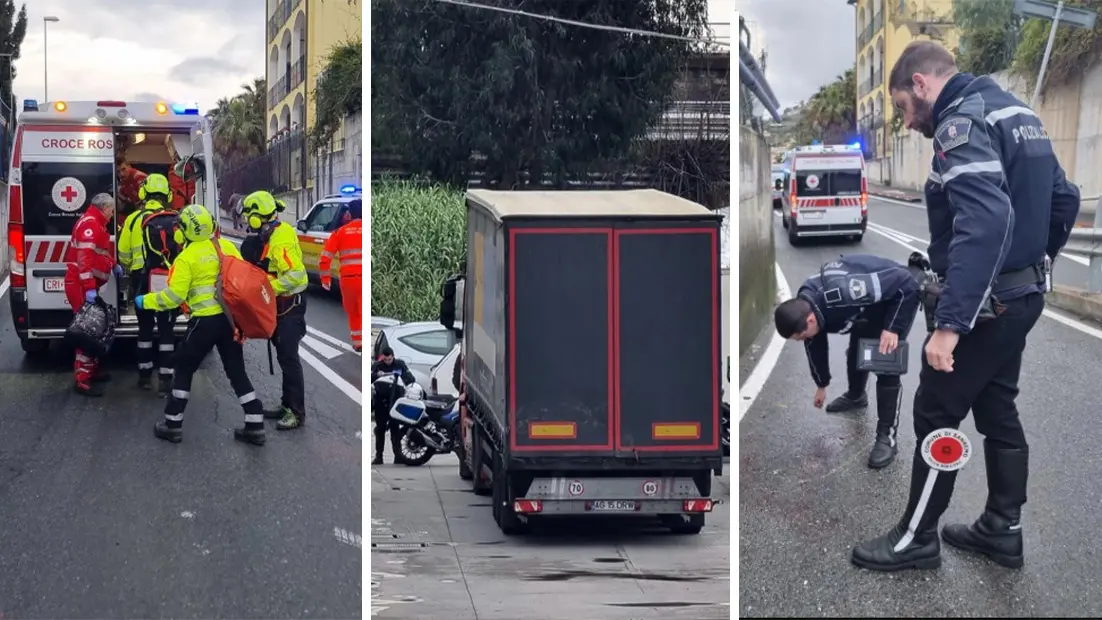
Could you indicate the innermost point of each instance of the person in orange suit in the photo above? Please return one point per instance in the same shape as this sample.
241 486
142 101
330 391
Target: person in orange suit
183 192
347 244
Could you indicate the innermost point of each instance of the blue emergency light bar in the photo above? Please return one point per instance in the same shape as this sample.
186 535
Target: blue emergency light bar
350 189
179 108
30 105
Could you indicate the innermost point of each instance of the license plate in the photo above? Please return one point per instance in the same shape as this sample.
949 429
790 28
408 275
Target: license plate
811 215
53 285
611 506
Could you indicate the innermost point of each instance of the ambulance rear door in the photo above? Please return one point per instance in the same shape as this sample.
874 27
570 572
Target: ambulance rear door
62 168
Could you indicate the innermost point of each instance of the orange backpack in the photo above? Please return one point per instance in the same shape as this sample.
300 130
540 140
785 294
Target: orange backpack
246 296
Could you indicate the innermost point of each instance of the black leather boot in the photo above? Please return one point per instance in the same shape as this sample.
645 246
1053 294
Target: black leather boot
888 401
998 532
913 542
847 402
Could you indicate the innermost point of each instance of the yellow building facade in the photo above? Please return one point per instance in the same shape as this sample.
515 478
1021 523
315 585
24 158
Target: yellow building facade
884 28
300 35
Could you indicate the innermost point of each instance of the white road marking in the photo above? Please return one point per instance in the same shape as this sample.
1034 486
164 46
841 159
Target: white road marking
1072 257
4 286
328 373
332 340
749 391
348 538
1055 316
325 350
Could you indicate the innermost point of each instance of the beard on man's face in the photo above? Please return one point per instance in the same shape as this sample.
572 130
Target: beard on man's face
924 117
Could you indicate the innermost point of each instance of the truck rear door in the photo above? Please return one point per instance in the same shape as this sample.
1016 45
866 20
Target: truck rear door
666 317
62 167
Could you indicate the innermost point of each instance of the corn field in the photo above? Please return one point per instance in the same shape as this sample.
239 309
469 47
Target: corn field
418 238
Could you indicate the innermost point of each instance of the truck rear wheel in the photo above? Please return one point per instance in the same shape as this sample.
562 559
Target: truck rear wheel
478 457
465 471
506 518
684 524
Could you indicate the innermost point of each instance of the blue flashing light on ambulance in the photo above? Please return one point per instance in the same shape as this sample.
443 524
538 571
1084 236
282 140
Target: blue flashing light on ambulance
63 154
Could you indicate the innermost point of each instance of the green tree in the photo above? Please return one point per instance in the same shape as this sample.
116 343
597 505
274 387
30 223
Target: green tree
238 125
988 35
830 115
529 95
1073 50
339 92
13 28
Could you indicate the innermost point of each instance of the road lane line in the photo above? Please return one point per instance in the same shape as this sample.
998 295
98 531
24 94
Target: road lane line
325 350
332 340
348 538
749 391
1055 316
331 376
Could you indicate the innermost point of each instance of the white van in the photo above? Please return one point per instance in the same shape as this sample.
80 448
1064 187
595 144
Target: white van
826 193
63 154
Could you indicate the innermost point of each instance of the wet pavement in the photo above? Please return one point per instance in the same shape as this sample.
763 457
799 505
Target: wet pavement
807 495
437 553
102 520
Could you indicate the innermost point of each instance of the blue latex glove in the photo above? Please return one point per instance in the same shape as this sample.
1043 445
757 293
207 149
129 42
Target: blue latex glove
90 296
117 271
139 301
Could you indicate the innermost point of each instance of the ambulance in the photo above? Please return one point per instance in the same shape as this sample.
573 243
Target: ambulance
321 221
66 152
826 192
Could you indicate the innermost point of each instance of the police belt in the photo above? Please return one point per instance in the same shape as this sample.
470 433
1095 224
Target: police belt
1007 280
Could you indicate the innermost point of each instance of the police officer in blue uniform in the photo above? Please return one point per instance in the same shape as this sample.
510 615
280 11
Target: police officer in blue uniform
866 297
999 209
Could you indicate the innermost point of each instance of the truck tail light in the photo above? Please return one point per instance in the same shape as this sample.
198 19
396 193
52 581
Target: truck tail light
697 505
16 250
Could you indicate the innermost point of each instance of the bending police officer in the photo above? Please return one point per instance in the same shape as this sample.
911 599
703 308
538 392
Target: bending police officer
998 203
281 257
867 297
92 264
347 244
139 261
192 280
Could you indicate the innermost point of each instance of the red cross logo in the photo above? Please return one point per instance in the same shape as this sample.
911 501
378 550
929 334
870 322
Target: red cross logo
69 193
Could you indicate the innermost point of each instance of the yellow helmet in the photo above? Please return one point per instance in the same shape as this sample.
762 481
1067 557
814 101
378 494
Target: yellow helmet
262 203
154 184
195 223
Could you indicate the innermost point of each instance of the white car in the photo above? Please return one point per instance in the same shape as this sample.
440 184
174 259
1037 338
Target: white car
440 376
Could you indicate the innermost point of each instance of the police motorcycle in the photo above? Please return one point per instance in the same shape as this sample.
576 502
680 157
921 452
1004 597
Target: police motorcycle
425 426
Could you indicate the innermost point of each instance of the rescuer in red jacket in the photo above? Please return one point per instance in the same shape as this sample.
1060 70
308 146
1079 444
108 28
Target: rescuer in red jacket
91 262
347 244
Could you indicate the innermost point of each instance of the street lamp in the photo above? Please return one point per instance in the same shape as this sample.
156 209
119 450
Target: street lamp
45 56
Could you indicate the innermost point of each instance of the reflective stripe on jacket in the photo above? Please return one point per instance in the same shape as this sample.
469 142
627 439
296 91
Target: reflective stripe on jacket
346 243
90 245
192 280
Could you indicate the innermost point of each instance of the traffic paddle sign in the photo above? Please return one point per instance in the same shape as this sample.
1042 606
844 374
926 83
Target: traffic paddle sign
946 449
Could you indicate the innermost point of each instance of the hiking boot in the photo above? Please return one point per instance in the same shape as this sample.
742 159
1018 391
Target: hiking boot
145 383
290 421
846 402
255 436
88 389
163 431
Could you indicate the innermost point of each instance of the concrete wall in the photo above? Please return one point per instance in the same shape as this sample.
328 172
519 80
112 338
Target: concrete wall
757 278
1072 115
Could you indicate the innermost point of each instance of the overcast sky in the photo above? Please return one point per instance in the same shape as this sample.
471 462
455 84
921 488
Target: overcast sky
797 67
199 50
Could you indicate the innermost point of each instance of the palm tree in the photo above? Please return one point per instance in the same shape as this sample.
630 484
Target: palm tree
238 124
829 115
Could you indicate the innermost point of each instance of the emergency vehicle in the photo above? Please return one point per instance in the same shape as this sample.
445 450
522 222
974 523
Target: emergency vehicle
826 192
64 153
321 221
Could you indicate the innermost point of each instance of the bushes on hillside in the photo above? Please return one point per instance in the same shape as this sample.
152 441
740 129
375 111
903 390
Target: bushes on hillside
418 238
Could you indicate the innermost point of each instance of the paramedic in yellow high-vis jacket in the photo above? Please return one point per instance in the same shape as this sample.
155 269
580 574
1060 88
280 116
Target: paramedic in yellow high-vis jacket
281 257
192 280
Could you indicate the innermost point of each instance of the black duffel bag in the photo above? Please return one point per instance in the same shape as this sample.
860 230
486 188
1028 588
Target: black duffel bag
93 328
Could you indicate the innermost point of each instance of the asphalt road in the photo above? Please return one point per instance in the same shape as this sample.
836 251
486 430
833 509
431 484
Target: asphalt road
807 495
99 519
437 553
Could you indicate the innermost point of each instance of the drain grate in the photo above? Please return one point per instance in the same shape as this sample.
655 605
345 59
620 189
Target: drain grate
398 547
